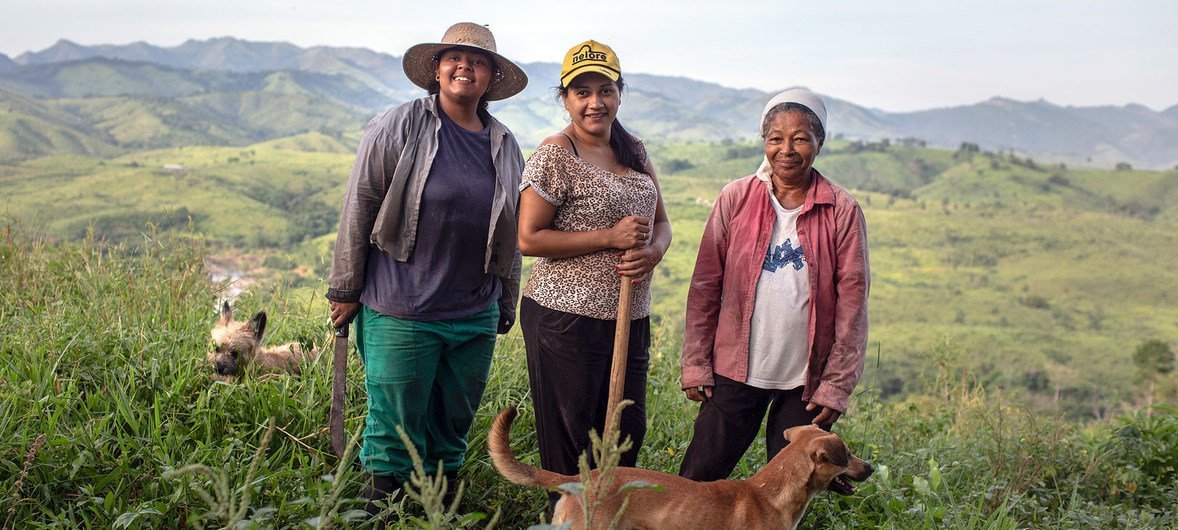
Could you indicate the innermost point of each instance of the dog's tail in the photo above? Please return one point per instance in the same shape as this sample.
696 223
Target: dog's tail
509 466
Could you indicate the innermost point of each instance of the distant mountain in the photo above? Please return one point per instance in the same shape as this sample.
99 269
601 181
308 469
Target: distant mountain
135 105
223 53
325 88
377 70
6 63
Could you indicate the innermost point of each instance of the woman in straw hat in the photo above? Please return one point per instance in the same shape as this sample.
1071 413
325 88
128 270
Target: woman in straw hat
777 307
426 258
591 210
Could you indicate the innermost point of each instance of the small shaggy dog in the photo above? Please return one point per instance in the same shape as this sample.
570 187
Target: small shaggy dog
237 345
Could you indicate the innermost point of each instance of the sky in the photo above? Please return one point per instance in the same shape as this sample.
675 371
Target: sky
893 55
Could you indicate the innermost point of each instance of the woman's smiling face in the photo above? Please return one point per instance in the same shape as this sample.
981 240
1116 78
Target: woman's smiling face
791 146
464 74
592 102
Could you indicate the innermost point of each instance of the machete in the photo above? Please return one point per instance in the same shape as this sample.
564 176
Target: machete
339 373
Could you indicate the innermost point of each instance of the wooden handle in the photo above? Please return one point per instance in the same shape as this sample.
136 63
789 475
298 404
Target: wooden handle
339 371
617 374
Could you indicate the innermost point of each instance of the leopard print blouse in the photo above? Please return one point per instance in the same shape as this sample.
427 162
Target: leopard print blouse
586 198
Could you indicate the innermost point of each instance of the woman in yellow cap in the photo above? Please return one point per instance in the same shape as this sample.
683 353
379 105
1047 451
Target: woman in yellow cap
591 210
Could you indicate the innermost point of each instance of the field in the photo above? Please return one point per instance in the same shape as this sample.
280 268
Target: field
1025 271
1001 392
108 401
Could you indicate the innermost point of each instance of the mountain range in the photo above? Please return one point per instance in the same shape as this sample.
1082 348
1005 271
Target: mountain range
105 99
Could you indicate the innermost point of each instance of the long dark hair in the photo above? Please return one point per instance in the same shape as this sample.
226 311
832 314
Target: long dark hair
624 144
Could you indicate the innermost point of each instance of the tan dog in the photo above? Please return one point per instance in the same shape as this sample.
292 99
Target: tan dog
775 497
237 345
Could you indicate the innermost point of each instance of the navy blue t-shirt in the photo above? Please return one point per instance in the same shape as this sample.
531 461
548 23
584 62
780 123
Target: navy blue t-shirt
444 276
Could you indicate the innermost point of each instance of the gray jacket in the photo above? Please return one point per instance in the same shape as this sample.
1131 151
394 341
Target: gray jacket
383 200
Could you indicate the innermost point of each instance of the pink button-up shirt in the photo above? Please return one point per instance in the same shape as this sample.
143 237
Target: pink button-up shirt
833 236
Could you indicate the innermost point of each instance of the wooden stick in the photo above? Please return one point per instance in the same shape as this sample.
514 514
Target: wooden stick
339 373
617 375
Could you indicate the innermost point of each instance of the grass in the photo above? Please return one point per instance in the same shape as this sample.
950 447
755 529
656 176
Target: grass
1031 271
108 400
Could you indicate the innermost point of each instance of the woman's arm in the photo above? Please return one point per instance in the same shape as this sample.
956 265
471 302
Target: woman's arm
362 200
538 238
703 301
638 263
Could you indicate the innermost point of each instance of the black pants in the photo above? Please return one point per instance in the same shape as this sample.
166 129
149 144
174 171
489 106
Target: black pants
569 360
728 422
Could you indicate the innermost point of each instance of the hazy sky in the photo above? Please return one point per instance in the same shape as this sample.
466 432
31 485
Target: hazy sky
894 55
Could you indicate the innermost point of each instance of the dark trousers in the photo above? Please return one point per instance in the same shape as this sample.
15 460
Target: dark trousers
569 360
728 422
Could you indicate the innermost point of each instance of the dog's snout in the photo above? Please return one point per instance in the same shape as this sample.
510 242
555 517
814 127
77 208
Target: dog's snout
860 470
226 368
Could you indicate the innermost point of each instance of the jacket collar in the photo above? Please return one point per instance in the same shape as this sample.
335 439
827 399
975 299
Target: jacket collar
431 104
821 190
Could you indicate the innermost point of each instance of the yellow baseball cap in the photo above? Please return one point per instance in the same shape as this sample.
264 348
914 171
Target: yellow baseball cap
590 56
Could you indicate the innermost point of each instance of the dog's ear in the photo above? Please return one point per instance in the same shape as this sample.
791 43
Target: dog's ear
258 325
831 449
226 314
790 433
794 433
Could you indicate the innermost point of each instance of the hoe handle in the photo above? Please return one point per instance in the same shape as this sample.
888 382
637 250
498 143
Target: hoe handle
617 375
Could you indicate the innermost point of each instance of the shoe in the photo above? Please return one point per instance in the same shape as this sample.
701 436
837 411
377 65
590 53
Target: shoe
386 490
451 489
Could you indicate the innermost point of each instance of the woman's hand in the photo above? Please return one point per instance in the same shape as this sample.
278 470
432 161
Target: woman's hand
342 313
638 263
827 417
631 232
698 393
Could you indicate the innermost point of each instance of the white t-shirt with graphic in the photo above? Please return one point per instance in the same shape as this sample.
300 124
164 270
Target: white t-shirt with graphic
779 338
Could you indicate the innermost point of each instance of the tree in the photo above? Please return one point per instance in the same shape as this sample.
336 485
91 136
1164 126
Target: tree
1153 358
966 151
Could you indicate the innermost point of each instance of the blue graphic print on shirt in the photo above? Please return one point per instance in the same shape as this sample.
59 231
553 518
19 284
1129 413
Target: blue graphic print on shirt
778 257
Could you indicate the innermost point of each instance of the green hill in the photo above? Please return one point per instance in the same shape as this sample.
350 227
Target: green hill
672 109
133 106
1041 280
241 197
31 128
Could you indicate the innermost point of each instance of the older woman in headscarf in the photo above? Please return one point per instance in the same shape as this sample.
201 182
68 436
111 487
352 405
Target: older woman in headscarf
777 308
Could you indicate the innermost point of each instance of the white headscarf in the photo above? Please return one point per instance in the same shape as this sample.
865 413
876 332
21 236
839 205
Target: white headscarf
801 96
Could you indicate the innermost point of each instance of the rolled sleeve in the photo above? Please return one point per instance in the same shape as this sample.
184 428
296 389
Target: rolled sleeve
547 174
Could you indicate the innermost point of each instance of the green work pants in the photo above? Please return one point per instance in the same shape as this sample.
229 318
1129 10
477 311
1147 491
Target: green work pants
428 378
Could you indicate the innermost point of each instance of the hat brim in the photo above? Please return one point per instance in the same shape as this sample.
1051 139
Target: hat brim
608 72
418 64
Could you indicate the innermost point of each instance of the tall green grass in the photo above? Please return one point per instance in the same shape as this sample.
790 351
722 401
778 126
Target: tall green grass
105 396
1046 278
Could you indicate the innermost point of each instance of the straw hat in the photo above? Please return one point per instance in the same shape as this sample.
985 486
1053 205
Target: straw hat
419 64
